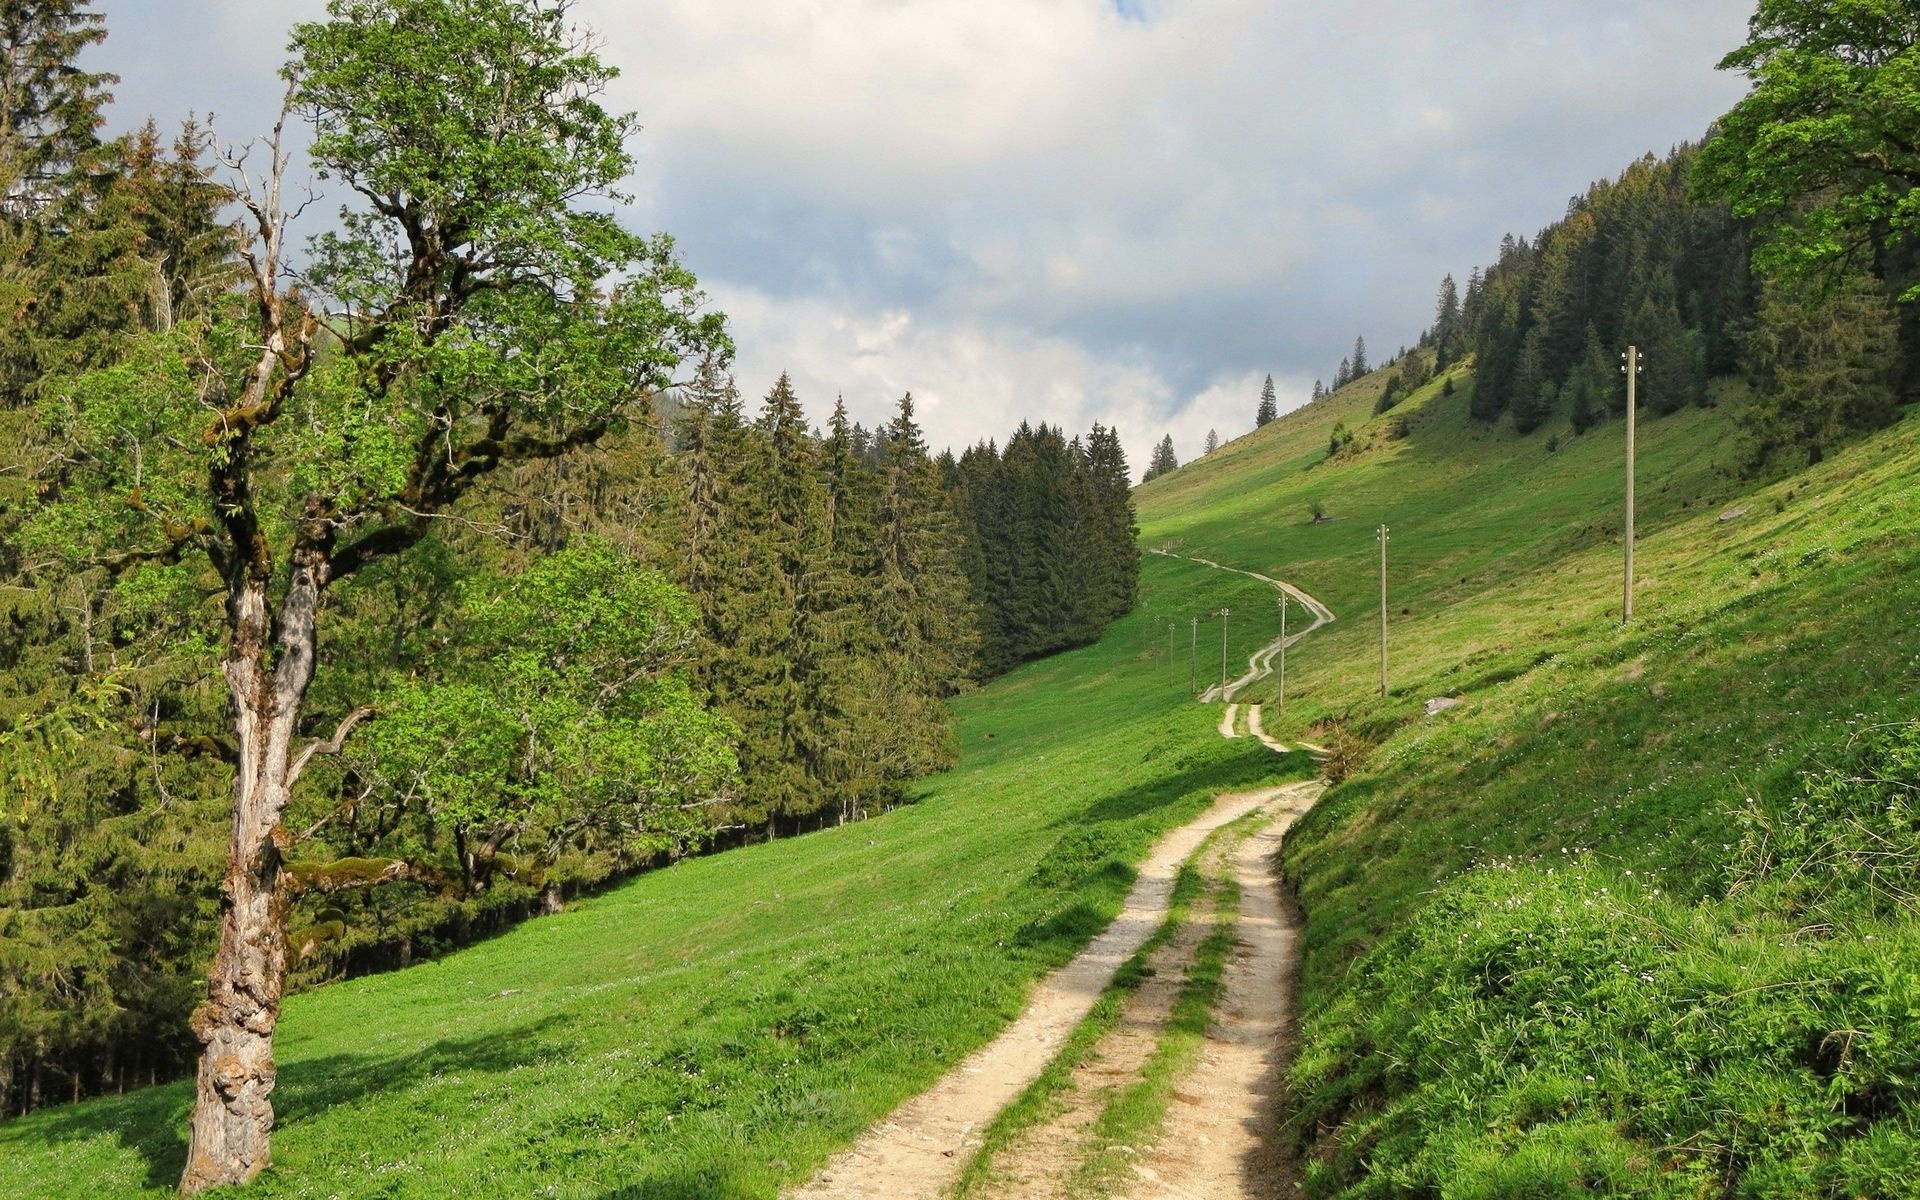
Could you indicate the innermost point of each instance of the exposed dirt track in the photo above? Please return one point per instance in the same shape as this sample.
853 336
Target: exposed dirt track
1255 728
1217 1143
919 1149
1042 1161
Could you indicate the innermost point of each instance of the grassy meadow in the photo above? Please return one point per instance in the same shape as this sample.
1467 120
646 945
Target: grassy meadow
1620 798
1623 796
717 1028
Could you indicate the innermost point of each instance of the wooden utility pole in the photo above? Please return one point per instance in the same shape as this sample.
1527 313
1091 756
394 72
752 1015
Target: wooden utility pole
1223 654
1193 659
1283 652
1383 610
1631 366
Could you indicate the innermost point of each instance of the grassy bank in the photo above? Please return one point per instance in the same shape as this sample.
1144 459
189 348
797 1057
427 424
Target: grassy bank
1495 883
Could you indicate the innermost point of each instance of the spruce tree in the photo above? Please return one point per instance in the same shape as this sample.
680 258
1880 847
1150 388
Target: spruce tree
1824 368
1212 443
1359 365
1588 388
52 169
1163 460
858 730
1269 405
790 697
1447 331
1119 533
49 107
921 609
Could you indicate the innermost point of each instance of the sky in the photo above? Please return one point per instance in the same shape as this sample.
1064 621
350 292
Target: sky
1123 211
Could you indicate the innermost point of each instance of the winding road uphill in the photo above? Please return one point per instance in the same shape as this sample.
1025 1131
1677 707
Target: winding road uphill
1214 1135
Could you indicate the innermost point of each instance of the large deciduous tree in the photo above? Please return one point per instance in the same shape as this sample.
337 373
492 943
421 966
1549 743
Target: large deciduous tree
473 309
1824 152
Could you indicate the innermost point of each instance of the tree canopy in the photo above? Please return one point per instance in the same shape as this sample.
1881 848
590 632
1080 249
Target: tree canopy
1823 154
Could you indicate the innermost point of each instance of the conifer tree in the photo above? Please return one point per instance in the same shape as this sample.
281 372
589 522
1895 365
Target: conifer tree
1824 367
1212 442
1118 532
921 610
1359 363
51 173
1163 460
1447 334
1269 405
50 109
1589 388
857 732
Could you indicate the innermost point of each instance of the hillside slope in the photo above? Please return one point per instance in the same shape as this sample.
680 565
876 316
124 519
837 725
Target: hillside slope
717 1028
1629 800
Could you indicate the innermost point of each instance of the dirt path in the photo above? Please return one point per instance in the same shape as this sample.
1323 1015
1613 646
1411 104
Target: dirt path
919 1149
1226 721
1217 1143
1213 1144
1040 1163
1260 663
1254 727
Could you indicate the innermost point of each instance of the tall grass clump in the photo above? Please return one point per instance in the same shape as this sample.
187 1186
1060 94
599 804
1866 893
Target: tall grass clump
1570 1030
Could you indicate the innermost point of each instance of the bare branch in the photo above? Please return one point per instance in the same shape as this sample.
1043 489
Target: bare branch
330 746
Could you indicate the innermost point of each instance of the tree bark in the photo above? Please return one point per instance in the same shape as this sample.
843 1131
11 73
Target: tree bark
233 1107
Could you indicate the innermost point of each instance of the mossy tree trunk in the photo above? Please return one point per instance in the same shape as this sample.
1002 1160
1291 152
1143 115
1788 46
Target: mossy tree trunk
233 1106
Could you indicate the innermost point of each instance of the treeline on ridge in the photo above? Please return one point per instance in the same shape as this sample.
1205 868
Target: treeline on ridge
1656 259
1052 552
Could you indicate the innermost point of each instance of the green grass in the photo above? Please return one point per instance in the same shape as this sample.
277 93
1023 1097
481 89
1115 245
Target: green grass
1763 643
720 1027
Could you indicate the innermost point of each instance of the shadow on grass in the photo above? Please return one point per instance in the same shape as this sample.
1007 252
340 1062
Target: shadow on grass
1091 862
152 1124
1255 766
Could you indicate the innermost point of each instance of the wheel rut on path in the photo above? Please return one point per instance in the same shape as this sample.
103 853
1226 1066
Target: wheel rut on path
1218 1141
1041 1162
919 1149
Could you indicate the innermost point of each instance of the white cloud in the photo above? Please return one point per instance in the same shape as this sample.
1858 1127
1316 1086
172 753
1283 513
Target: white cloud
971 383
1066 209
